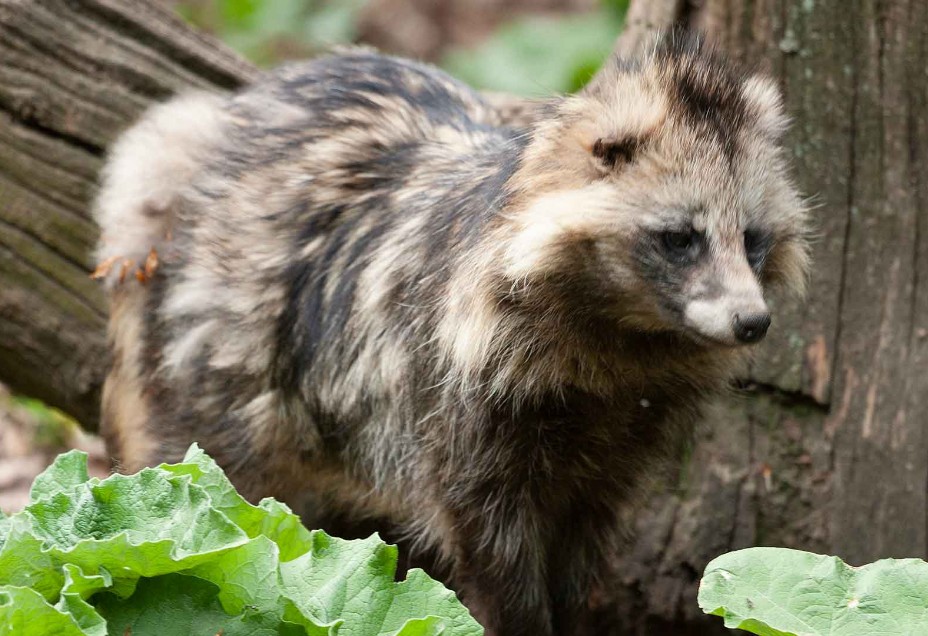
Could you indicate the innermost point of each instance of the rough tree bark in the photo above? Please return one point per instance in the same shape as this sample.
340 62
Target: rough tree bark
823 449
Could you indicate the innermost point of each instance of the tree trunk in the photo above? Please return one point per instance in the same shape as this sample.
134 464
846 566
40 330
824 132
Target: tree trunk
824 447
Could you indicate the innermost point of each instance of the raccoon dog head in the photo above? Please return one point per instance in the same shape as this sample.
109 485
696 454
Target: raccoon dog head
662 191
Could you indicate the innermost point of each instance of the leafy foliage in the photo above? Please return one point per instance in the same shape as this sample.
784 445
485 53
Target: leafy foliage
175 550
536 56
270 31
780 592
530 55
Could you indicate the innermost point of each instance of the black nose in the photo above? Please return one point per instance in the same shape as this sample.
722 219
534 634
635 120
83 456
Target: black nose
751 327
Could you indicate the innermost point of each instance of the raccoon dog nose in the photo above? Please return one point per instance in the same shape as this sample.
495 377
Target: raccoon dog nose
751 327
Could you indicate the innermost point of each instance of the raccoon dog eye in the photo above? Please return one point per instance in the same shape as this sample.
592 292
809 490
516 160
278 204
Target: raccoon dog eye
681 245
756 247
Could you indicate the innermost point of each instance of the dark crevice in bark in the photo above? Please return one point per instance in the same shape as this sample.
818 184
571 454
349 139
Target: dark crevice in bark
742 483
65 209
782 396
880 10
784 60
849 206
139 83
852 460
18 36
51 246
15 255
914 184
23 117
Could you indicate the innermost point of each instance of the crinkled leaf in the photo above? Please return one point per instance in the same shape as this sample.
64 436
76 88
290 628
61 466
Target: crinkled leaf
420 594
146 524
284 528
25 612
83 613
146 508
24 562
352 582
269 518
780 592
245 577
68 470
248 581
175 550
84 585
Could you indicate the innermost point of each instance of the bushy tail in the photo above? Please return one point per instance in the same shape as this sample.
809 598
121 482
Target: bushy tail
148 168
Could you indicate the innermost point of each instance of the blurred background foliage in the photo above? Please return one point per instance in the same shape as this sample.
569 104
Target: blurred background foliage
529 47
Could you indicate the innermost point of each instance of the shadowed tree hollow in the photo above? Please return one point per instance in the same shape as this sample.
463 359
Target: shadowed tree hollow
824 448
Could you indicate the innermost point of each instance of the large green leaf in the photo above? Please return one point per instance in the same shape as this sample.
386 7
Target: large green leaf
269 518
780 592
175 550
351 583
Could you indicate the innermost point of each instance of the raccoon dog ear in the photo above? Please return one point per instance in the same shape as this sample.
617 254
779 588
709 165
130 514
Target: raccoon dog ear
765 99
614 151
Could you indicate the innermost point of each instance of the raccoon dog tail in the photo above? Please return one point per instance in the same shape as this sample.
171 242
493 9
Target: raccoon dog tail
148 168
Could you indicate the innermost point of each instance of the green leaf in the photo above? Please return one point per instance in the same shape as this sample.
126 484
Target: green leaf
418 593
84 585
68 470
179 605
175 550
245 577
24 562
82 613
144 525
24 612
780 592
269 518
431 626
351 582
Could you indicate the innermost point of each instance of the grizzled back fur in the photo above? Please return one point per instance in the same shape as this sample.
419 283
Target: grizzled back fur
372 290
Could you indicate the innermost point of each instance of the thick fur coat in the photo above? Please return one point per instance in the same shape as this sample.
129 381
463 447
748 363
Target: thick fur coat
363 284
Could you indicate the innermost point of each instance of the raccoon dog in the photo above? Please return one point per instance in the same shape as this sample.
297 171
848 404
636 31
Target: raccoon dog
372 288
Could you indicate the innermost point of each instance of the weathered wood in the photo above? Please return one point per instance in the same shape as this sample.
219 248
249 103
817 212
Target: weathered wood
881 459
72 76
827 450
